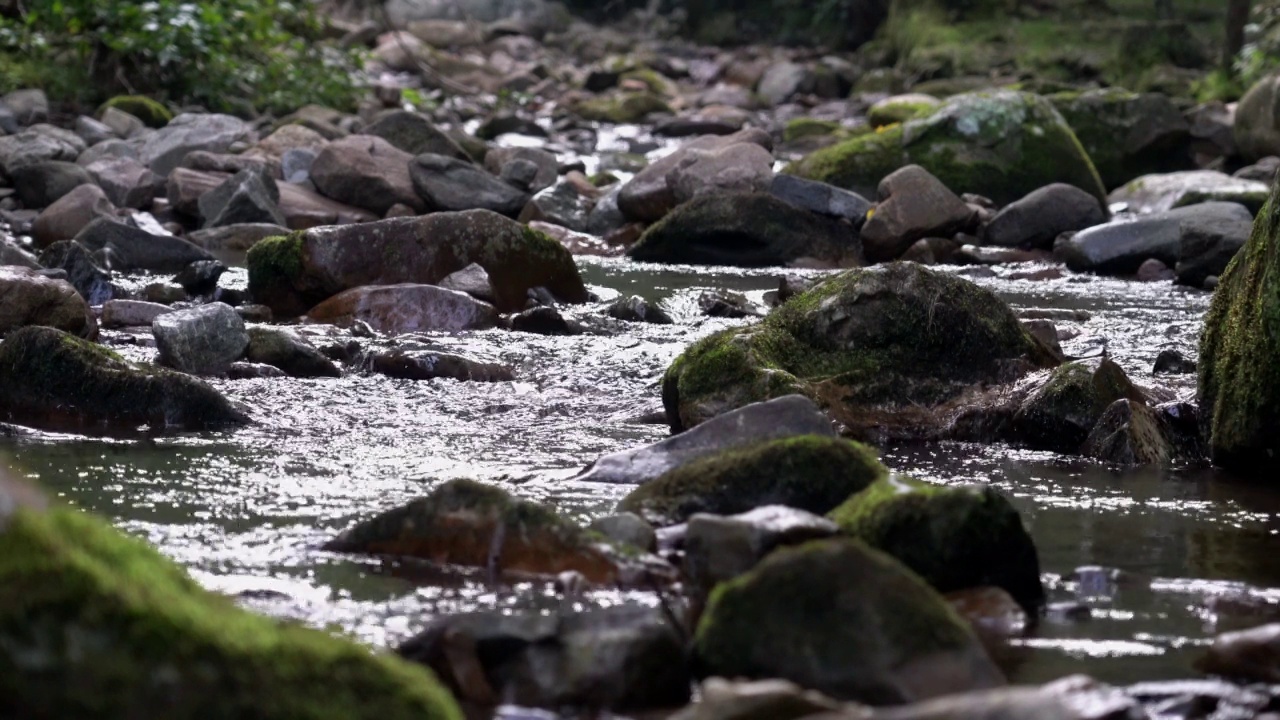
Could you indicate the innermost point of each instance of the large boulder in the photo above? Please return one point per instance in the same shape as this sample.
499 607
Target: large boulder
367 172
107 627
1203 234
746 230
406 308
29 298
203 340
1239 388
292 274
1157 193
1127 134
875 347
49 378
838 617
954 538
1000 144
449 184
649 196
808 472
1035 221
1257 120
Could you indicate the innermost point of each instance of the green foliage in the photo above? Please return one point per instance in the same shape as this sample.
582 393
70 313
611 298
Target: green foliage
242 56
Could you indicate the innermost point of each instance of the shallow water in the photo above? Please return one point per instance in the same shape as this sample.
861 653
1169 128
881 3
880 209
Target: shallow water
246 510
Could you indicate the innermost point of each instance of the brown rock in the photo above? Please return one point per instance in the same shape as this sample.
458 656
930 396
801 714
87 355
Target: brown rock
29 298
913 205
66 217
1250 655
406 308
286 138
649 196
367 172
302 208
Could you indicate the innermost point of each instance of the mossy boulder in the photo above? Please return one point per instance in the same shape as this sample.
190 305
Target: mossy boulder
956 538
881 348
1127 134
1061 412
839 617
808 472
151 112
1002 144
1239 378
94 623
293 273
901 108
52 379
621 107
745 230
467 523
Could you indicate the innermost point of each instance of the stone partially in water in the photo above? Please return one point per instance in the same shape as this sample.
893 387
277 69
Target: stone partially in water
405 308
288 351
807 472
1072 698
49 378
428 365
843 619
1251 655
1061 412
720 699
1036 220
1201 238
1157 193
1130 433
136 249
637 309
203 340
29 298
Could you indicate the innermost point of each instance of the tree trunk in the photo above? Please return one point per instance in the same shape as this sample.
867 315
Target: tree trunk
1237 16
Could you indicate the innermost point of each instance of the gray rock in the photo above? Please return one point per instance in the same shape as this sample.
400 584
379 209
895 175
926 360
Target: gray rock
140 250
561 205
200 277
131 313
782 81
504 161
253 371
1251 655
628 529
1156 193
405 308
1257 123
92 131
1120 248
740 167
70 214
429 365
1172 362
913 205
289 352
821 198
1036 220
367 172
243 198
721 699
203 340
637 309
89 278
449 184
414 134
726 304
605 216
295 164
107 150
29 298
29 107
783 417
648 196
472 280
545 321
12 254
122 123
40 184
126 181
1072 698
165 149
1210 239
30 147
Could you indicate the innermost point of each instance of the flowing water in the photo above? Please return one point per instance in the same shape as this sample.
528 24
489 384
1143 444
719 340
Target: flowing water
246 510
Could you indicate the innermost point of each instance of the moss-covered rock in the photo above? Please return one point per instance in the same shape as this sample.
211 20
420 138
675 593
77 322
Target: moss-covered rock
149 111
621 107
289 352
97 624
878 347
470 524
808 472
49 378
841 618
1001 144
901 108
955 538
1127 134
804 128
1239 383
1060 413
1132 433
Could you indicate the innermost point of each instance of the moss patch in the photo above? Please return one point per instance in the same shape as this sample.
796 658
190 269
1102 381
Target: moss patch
1060 414
858 164
151 112
621 108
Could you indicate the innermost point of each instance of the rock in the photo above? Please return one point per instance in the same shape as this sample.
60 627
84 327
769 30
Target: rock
466 523
164 293
287 137
29 106
1210 240
621 108
821 198
122 123
1205 232
149 111
165 149
29 298
414 134
624 658
836 343
724 304
1172 362
913 205
1251 655
200 277
406 308
1127 134
449 184
13 254
31 146
545 321
867 629
1129 433
131 313
41 184
295 165
954 538
472 280
429 365
637 309
135 249
648 196
1036 220
367 172
92 131
1152 270
243 198
234 237
203 340
1157 193
782 81
741 167
289 352
807 472
500 161
1061 412
626 529
1263 171
51 379
66 217
294 273
745 230
126 181
1182 696
1071 698
721 699
253 371
1257 126
1002 144
215 658
90 279
561 205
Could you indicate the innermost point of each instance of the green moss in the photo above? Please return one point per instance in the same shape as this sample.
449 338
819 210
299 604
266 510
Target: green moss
805 127
955 538
149 111
810 473
276 269
96 624
1059 415
652 80
621 108
899 112
858 164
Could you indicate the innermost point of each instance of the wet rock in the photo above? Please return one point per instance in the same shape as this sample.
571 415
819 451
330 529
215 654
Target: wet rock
164 293
13 254
165 149
466 523
450 184
1120 248
1072 698
292 274
472 280
1046 332
243 198
626 529
605 217
913 205
561 205
1152 270
994 613
648 196
49 378
254 313
807 472
1191 698
1062 411
1158 193
200 277
253 371
740 167
725 304
29 298
135 249
745 230
622 658
429 365
66 217
1211 241
721 699
203 340
637 309
1172 362
955 538
1130 433
126 181
867 630
1127 134
821 198
504 161
545 321
216 659
414 134
367 172
41 184
406 308
1251 655
131 313
1038 219
289 352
